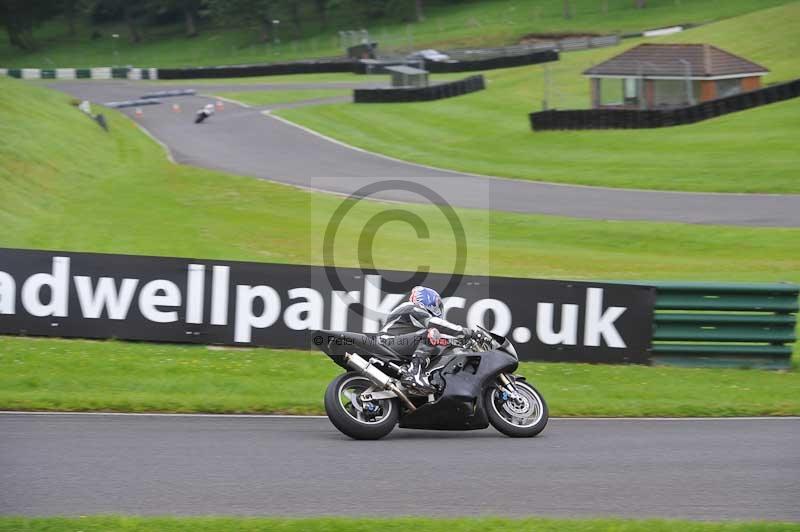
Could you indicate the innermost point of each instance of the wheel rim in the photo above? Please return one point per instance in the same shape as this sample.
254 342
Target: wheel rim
349 393
525 410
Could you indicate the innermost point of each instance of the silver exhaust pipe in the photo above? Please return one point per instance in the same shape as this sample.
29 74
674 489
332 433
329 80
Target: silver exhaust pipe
374 374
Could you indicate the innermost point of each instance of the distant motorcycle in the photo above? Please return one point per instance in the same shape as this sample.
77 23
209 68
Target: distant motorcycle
204 113
475 387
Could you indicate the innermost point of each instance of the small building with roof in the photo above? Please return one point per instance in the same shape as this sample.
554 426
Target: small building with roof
654 76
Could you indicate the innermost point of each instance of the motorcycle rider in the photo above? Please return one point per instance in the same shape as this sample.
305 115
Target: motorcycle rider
204 113
418 323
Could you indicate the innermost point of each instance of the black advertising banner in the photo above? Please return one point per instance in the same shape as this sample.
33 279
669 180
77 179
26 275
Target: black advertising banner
88 295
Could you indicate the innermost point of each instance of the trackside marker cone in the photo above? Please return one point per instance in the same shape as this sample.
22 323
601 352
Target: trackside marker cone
138 111
220 105
176 107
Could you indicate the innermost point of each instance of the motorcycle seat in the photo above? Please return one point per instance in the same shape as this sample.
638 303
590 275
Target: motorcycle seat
336 343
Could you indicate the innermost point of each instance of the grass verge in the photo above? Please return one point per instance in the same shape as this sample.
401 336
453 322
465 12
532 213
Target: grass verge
200 524
488 132
81 375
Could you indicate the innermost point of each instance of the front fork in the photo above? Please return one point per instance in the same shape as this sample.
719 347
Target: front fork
507 386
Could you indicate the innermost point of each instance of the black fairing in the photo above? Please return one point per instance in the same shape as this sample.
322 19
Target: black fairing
465 377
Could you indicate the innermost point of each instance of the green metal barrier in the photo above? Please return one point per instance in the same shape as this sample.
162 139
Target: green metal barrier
725 324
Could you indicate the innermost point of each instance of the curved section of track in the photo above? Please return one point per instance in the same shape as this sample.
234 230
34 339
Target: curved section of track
156 465
243 140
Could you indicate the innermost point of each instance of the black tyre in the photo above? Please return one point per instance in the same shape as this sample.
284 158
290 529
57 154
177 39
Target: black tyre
521 417
352 416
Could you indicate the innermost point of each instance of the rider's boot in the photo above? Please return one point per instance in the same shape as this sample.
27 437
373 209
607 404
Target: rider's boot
415 378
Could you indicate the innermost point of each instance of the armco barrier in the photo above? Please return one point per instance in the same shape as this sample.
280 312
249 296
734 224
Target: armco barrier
532 58
168 94
725 324
638 119
317 66
272 69
132 103
81 73
420 94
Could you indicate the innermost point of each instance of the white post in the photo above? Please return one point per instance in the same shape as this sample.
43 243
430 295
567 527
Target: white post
689 88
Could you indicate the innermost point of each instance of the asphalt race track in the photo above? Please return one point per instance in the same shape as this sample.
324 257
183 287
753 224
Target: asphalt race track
243 140
81 464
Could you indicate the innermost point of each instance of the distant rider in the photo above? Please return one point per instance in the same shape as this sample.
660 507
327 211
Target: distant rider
418 322
204 113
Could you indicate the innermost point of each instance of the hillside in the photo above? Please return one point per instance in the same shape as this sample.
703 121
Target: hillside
484 23
752 151
67 184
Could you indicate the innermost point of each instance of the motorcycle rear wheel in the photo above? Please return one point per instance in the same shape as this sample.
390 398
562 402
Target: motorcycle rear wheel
523 418
347 412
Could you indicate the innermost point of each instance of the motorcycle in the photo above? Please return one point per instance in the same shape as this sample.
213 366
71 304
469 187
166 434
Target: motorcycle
474 387
204 113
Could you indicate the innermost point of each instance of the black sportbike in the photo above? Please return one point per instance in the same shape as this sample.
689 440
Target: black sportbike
474 381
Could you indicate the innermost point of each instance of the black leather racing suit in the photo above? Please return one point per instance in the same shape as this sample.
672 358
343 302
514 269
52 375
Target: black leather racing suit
407 331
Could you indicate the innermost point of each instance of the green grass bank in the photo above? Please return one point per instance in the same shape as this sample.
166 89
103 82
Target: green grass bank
488 132
88 190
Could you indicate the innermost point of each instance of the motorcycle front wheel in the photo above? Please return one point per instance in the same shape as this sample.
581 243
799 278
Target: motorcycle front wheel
355 418
523 416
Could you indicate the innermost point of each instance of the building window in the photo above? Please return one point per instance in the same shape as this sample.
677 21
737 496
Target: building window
610 91
670 93
675 93
631 88
728 87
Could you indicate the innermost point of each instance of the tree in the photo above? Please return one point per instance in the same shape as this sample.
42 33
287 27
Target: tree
20 17
70 9
186 9
419 10
294 16
129 10
189 10
190 16
321 7
243 11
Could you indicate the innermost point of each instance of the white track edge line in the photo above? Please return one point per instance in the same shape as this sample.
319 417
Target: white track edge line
270 114
299 417
157 140
153 414
229 100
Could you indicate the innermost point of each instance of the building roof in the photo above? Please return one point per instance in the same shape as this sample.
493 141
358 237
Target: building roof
668 60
